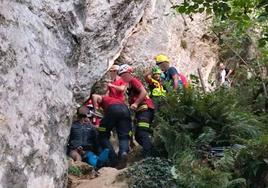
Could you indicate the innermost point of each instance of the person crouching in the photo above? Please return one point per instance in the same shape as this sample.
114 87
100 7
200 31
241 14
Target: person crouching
116 114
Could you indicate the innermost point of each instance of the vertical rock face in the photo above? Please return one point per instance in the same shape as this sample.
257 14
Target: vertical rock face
108 24
162 30
52 52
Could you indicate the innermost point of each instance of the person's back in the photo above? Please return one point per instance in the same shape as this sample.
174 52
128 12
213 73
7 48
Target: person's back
83 135
171 74
173 71
118 116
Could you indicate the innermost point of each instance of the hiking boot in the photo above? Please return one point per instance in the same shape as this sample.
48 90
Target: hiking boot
123 161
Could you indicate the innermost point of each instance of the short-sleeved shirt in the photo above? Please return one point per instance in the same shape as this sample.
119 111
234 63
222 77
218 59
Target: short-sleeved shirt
173 71
134 92
170 73
107 101
115 93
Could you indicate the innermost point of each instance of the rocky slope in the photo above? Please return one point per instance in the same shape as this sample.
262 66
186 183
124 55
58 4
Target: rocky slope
52 52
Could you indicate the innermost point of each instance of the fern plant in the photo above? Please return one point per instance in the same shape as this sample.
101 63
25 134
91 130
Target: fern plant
190 122
253 161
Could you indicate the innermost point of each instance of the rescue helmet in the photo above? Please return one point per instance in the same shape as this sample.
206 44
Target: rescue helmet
156 70
124 68
161 58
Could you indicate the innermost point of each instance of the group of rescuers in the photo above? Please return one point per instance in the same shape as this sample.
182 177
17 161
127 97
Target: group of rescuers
89 139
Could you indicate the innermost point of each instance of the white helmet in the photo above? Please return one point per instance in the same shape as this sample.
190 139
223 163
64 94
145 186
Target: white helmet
124 68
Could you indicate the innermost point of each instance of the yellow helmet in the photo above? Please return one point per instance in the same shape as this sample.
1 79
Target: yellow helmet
161 58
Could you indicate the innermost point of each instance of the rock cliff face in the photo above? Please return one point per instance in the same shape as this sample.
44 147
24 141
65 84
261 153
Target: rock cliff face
186 41
52 52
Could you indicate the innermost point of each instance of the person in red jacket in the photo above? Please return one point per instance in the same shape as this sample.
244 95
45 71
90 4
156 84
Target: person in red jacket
117 87
143 106
116 114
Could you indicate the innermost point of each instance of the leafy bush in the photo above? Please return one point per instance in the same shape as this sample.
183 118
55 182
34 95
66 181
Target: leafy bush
253 161
74 171
193 172
192 119
191 122
150 173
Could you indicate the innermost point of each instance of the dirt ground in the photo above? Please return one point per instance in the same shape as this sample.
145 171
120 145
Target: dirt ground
107 179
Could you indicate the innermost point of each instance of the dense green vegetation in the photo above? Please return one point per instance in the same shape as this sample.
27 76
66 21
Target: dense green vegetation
191 123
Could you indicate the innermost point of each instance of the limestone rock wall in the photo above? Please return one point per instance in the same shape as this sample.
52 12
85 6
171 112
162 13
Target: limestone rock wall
186 41
52 52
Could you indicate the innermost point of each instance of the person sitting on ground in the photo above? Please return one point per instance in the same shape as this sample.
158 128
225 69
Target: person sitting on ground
224 75
171 73
117 87
143 106
116 114
153 78
83 141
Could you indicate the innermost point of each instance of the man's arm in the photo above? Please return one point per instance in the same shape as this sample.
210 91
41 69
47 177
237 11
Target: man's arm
119 88
230 72
175 78
96 99
141 97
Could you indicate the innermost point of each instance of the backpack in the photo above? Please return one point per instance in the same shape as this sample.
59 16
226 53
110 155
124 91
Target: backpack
183 80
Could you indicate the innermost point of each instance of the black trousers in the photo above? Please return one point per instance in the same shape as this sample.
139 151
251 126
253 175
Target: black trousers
118 116
143 131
